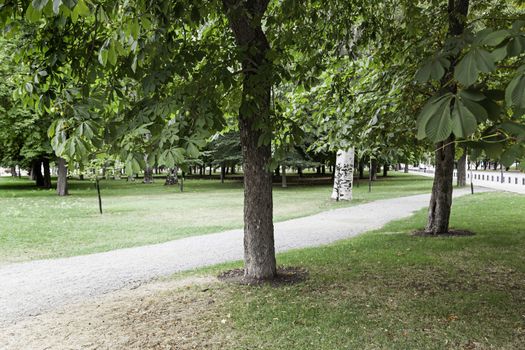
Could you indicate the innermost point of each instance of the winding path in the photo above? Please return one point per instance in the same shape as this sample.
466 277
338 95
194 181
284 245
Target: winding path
32 288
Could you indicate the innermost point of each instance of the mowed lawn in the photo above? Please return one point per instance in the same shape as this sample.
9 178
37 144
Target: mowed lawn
36 224
387 289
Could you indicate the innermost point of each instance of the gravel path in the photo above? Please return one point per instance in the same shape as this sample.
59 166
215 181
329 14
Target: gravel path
31 288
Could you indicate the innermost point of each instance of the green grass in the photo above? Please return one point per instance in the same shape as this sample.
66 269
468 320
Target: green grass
36 224
390 290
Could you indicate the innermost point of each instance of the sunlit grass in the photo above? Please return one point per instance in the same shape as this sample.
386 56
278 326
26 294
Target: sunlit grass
37 224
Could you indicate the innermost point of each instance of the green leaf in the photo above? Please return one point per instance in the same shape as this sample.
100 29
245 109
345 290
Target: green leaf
515 92
499 53
513 128
475 61
476 109
433 69
515 46
437 122
112 54
192 150
32 14
103 56
82 9
495 38
134 28
464 123
511 155
493 150
472 95
493 109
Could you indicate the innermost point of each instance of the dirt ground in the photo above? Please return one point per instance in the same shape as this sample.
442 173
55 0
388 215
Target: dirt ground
180 314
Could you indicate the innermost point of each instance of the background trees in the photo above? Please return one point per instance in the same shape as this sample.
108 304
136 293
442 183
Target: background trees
149 83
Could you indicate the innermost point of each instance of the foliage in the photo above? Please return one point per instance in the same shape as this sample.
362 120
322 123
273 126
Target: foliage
487 108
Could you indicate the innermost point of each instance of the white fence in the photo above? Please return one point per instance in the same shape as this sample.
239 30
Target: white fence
507 181
505 178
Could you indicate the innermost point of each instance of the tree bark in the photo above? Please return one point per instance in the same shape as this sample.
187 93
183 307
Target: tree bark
373 170
385 170
406 168
284 184
254 121
441 198
62 188
171 178
223 173
462 170
344 175
47 174
36 172
361 169
148 173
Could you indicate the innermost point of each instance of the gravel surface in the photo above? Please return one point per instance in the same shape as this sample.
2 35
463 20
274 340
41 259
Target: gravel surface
31 288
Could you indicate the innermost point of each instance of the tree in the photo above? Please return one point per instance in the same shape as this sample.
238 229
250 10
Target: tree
469 107
344 175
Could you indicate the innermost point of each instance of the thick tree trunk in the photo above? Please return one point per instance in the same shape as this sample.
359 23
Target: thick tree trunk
62 188
36 172
300 171
462 170
171 178
344 175
441 199
406 168
47 174
385 170
148 175
283 177
13 171
254 117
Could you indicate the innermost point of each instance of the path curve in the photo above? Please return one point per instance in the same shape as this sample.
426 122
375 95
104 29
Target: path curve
31 288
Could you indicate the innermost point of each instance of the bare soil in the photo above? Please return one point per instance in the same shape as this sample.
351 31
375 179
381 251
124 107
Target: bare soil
161 315
285 276
450 233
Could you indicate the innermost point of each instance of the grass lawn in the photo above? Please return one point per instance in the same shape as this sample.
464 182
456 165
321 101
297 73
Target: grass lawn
390 290
37 224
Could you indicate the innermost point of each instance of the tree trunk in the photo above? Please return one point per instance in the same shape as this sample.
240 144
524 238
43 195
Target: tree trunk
148 175
223 173
406 168
47 174
171 178
361 169
283 177
373 170
36 172
462 170
344 175
441 199
385 170
62 188
13 171
254 122
300 171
